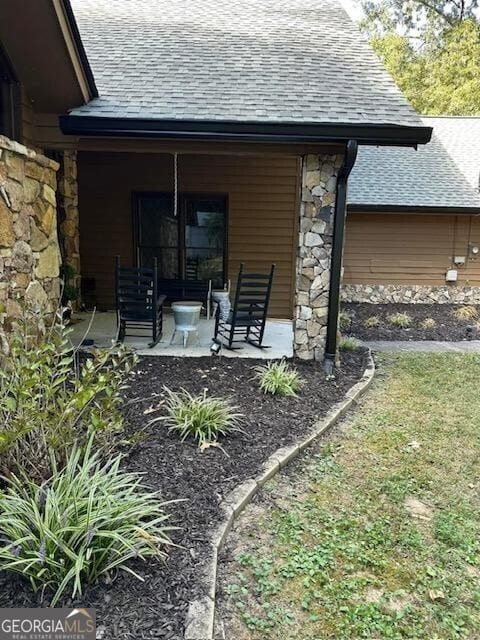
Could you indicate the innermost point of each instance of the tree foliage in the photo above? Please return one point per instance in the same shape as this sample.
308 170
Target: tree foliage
432 49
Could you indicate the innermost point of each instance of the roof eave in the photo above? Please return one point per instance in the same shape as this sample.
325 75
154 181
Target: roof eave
74 33
298 132
412 209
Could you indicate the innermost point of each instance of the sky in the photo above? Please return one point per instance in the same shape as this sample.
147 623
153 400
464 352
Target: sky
353 8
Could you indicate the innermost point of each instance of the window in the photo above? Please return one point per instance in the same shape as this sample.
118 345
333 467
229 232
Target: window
191 246
9 99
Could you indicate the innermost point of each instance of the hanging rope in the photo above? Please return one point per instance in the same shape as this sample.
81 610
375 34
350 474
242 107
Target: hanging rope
175 184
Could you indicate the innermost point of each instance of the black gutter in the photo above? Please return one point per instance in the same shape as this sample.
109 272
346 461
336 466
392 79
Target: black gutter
411 209
80 48
337 254
287 132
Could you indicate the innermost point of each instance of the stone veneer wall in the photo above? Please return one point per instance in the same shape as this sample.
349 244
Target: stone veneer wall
29 255
391 293
319 179
68 218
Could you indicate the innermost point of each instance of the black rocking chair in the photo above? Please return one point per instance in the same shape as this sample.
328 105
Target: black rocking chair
139 306
249 314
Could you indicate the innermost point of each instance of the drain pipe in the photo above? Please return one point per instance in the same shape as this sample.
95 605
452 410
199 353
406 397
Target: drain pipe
337 255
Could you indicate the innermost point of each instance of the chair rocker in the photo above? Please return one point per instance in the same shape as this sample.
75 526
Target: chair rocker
139 307
249 314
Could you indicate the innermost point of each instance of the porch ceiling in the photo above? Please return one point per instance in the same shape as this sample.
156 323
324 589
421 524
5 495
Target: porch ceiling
43 45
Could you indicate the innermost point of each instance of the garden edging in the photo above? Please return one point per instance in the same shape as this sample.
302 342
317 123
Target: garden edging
201 612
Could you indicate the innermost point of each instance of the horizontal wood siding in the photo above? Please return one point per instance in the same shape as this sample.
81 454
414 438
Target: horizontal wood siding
409 249
262 196
27 114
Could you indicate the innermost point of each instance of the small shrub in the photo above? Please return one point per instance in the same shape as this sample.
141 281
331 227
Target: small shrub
400 320
428 323
278 378
88 519
48 401
349 344
201 417
465 312
344 320
372 322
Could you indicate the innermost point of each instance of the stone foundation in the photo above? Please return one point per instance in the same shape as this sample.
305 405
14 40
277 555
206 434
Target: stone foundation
29 255
415 294
319 180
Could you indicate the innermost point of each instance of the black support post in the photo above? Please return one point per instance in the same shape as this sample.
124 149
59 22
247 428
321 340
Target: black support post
337 254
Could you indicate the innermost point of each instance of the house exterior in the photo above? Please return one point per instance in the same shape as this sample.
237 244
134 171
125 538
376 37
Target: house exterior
158 113
413 225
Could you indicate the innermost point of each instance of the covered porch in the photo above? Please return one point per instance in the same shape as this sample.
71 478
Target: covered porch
99 329
202 210
199 214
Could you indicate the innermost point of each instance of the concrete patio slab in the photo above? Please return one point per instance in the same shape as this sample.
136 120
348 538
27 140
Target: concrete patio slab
278 336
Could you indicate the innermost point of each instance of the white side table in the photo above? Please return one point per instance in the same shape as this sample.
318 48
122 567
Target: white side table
186 315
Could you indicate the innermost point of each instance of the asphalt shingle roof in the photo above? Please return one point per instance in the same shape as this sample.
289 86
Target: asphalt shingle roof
461 138
427 177
248 60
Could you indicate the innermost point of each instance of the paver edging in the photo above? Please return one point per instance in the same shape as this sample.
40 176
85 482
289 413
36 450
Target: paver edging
201 612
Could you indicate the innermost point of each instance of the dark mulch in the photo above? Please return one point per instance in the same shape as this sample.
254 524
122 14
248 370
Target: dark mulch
156 608
448 327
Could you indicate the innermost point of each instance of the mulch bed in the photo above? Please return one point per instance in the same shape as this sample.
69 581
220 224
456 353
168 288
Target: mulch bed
448 327
128 608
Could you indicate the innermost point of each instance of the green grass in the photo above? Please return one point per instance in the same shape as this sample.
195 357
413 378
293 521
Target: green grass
382 537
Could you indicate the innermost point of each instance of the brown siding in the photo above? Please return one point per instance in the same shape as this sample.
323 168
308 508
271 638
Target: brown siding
262 193
28 133
48 134
409 248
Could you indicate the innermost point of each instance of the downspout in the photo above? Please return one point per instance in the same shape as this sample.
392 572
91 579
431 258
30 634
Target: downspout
337 254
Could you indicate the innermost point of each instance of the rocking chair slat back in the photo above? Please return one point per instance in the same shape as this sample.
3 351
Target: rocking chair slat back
249 314
138 304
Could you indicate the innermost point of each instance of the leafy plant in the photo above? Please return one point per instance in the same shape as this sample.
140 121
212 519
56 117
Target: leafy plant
88 519
70 291
372 322
202 417
465 312
428 323
349 344
278 378
400 320
49 401
344 320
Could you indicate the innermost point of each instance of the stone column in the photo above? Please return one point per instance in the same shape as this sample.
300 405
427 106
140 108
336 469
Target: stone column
68 218
29 255
319 179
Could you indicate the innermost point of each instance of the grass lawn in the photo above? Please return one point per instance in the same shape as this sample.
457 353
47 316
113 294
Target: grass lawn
377 533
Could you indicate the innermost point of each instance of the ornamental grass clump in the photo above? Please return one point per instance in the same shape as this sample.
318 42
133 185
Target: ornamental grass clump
202 417
344 320
465 312
428 323
89 519
349 344
278 378
400 320
372 322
